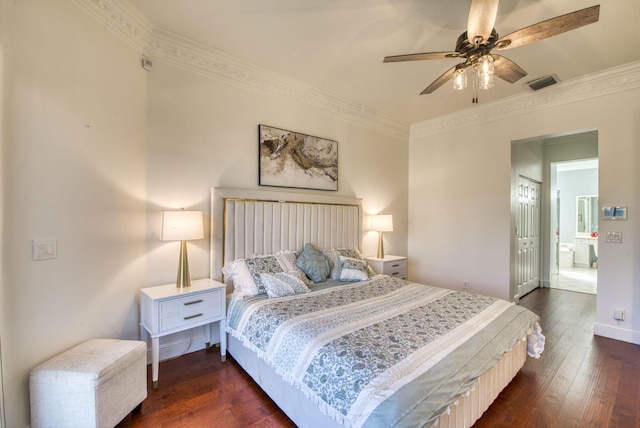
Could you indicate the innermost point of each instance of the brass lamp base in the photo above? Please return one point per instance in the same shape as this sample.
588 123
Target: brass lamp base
380 246
183 279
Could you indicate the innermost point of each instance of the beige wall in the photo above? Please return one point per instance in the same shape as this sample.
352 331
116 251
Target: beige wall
459 190
73 169
94 147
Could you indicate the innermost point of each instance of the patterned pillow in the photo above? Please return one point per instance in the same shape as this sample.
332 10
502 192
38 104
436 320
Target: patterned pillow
283 284
352 269
333 254
287 259
245 274
313 263
265 264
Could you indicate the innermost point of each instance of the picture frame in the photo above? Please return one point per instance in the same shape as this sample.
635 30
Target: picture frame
296 160
614 213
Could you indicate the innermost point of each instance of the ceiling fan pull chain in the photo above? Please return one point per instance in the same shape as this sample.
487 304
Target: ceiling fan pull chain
474 100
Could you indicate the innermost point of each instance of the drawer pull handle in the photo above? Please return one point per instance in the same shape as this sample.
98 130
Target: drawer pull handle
192 316
395 273
193 303
396 265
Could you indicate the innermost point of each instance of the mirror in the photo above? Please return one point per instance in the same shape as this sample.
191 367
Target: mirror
587 210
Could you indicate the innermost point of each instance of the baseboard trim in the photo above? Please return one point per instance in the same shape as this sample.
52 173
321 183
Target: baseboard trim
617 333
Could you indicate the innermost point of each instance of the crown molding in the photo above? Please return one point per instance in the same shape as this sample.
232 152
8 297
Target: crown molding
191 55
613 80
121 18
194 56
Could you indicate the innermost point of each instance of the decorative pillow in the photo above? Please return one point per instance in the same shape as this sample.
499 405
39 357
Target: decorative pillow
333 254
313 263
245 274
283 284
238 274
352 269
264 264
287 259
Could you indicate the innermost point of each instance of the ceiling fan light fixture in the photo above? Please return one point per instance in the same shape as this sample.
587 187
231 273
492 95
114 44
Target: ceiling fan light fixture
460 79
485 71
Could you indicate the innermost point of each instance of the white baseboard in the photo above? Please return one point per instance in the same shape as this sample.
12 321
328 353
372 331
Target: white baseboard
617 333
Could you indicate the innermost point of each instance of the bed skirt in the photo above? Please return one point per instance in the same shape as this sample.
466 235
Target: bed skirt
468 409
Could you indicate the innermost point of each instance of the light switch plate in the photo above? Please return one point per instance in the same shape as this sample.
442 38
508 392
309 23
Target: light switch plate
44 249
614 237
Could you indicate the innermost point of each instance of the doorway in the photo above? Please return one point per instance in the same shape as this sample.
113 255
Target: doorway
537 158
575 219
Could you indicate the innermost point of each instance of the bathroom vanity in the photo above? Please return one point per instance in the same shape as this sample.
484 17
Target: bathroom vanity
585 251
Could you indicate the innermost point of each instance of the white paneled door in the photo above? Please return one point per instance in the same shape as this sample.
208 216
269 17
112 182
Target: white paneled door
528 236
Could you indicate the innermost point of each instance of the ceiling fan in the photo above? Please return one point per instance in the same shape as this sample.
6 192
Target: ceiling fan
476 44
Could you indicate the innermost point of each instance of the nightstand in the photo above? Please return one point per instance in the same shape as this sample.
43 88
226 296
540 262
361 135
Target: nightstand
167 309
389 265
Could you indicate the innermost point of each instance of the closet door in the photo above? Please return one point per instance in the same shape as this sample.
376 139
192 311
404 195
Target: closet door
528 236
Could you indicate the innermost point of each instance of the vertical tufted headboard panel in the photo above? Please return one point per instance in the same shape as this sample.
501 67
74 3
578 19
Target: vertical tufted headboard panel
246 223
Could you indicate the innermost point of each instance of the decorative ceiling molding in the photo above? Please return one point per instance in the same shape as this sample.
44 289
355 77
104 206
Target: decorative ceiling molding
191 55
121 18
617 79
194 56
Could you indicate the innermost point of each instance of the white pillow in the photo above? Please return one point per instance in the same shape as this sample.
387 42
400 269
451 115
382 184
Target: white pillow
238 274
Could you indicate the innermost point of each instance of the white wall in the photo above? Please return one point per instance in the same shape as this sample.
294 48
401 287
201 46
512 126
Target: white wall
95 147
459 181
74 169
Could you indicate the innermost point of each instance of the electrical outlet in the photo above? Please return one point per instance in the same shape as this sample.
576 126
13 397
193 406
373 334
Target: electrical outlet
618 314
465 285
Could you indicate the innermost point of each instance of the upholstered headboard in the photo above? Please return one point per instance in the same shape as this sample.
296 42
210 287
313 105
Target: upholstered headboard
245 223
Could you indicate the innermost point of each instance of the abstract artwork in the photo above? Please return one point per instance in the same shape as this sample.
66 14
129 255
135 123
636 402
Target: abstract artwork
291 159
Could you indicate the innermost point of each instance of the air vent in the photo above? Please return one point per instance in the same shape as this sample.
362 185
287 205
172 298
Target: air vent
543 82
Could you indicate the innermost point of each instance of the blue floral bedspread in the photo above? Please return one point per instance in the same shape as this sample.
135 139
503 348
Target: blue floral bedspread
384 352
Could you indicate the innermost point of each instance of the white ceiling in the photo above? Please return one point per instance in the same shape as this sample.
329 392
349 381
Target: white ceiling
338 46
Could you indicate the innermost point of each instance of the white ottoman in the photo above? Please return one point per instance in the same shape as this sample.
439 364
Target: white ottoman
95 384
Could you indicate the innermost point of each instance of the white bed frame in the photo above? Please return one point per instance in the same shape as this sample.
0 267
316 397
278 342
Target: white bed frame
245 223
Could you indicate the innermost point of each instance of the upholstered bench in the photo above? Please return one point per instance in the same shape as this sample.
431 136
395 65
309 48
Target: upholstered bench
94 384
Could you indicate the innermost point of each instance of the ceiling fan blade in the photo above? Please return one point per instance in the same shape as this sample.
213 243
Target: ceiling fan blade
506 69
421 56
549 28
439 81
482 18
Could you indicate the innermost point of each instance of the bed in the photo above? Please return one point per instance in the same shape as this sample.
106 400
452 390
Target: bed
354 348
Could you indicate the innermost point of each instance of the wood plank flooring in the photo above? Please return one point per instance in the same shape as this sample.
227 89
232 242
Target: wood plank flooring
581 380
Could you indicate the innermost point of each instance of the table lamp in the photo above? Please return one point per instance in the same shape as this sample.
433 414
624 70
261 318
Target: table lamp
381 223
182 226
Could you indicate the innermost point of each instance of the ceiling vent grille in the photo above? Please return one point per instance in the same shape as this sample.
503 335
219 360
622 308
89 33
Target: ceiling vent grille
543 82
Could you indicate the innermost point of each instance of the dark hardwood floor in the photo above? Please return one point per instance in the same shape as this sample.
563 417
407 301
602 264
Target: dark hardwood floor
581 380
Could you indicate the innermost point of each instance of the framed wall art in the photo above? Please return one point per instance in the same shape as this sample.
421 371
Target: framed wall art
292 159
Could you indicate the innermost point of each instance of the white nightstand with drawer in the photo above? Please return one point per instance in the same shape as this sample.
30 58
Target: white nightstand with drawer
389 265
167 309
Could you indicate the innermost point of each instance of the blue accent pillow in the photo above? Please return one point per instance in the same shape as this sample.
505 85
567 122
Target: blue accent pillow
313 263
